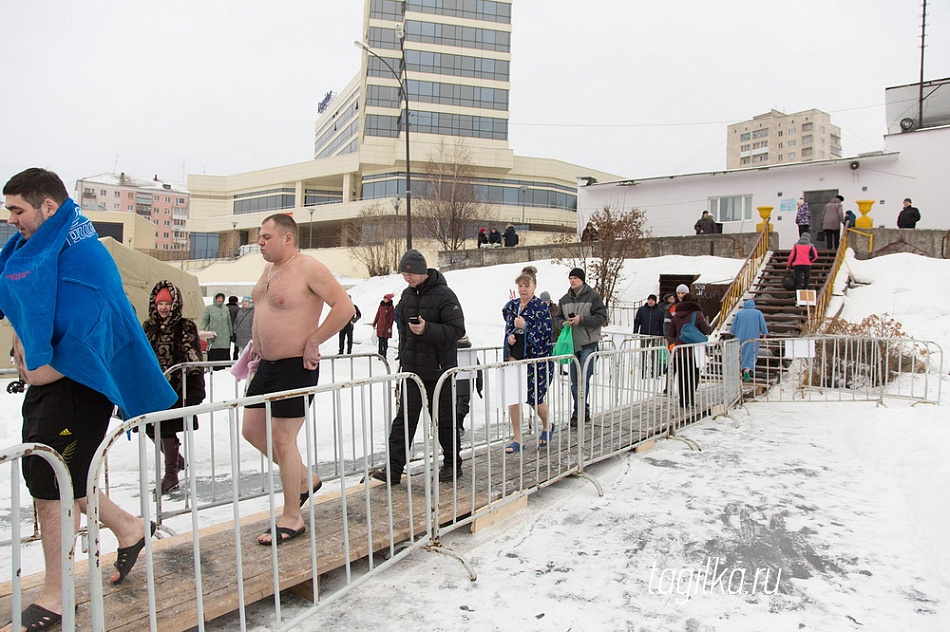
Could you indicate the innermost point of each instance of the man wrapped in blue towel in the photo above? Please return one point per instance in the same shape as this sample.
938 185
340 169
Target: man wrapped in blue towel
81 349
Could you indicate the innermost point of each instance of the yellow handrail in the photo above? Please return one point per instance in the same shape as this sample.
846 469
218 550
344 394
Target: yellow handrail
744 277
870 237
824 294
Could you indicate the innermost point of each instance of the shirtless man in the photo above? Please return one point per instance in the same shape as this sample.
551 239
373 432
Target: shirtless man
289 299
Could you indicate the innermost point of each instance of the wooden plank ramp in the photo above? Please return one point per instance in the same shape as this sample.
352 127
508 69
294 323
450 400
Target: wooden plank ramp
489 475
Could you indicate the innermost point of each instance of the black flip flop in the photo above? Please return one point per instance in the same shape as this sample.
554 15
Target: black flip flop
126 557
38 618
304 496
283 534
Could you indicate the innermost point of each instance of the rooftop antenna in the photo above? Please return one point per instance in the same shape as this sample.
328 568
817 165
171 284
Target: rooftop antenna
115 165
920 94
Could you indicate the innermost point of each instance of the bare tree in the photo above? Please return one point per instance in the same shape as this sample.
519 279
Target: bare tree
448 206
378 237
619 237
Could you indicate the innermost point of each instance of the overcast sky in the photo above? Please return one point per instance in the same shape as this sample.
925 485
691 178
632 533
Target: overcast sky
630 87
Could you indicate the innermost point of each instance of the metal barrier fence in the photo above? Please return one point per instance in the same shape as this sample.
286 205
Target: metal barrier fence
344 438
13 455
845 368
491 477
333 368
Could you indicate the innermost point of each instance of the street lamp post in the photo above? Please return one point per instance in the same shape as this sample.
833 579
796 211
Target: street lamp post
405 95
524 194
310 242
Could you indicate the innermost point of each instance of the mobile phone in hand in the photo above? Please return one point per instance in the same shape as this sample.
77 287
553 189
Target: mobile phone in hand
413 320
570 315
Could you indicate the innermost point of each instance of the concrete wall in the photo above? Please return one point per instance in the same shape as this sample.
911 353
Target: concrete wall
737 246
929 243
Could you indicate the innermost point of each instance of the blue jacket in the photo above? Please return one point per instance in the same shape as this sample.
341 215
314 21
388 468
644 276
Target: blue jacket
63 295
749 323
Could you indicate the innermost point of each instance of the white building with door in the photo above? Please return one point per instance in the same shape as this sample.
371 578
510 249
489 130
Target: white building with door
913 164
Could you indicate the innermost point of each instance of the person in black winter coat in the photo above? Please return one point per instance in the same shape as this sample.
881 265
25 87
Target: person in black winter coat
649 322
649 318
510 236
909 215
494 237
431 318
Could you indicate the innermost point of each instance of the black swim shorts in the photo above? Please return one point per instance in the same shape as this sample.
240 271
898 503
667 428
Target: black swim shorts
70 418
283 375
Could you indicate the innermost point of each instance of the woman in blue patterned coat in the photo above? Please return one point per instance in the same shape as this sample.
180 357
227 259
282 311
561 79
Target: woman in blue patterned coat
528 334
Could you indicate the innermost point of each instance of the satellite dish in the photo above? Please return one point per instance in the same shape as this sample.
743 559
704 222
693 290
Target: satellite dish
907 124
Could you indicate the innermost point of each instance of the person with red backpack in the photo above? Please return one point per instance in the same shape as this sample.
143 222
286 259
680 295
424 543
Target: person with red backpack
801 257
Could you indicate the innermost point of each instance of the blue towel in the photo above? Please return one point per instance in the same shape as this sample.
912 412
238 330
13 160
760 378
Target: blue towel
62 293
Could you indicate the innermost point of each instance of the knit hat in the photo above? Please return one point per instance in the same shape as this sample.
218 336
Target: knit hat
545 296
579 273
389 296
163 296
413 262
652 296
246 298
682 287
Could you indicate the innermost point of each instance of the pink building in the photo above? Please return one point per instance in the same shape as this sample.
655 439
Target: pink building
165 204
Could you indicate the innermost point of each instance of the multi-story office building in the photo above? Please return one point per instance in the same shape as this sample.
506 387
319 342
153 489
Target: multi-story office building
454 58
164 204
777 138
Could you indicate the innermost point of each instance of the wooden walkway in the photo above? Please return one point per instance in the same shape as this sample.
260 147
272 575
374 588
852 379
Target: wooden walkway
495 475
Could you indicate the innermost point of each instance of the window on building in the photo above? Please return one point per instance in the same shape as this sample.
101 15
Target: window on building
780 157
115 207
780 133
791 143
791 131
130 195
745 137
745 160
130 208
806 127
117 194
180 201
102 191
780 145
791 155
745 148
734 208
761 133
807 152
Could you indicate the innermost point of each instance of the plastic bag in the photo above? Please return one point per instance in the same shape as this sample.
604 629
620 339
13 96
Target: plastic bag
564 345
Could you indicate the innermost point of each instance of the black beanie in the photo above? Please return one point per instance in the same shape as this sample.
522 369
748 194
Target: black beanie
579 273
413 262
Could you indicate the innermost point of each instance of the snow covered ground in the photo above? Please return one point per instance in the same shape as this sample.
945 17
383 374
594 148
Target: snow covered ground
820 516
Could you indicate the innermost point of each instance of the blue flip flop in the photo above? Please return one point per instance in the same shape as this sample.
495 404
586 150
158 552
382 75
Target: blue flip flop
513 447
546 435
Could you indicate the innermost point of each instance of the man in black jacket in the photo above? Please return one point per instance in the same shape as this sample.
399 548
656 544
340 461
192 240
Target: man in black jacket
430 315
909 215
649 322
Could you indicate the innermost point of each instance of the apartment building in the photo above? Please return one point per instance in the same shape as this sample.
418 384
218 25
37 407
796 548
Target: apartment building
454 59
164 204
776 138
